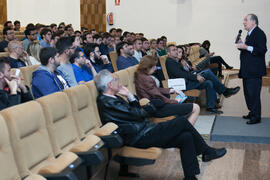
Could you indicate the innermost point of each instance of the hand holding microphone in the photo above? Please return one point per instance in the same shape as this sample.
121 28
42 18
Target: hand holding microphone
238 38
239 43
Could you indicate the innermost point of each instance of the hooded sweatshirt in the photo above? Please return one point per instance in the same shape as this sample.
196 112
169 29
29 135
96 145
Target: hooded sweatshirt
45 82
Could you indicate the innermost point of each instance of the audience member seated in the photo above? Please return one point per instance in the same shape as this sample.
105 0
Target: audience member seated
33 52
9 35
17 25
160 47
93 32
112 32
31 35
118 32
127 37
47 79
17 54
204 80
53 28
97 60
39 28
8 24
111 45
146 87
9 85
46 35
97 39
164 39
205 52
87 38
137 131
153 44
65 49
104 49
82 67
145 47
125 58
69 30
138 49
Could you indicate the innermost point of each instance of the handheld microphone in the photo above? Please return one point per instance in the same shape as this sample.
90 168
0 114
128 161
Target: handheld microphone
238 36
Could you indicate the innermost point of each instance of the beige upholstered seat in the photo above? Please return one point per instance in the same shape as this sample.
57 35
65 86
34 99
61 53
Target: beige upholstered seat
193 92
83 110
114 57
27 74
126 152
31 143
194 55
3 54
8 167
62 127
131 72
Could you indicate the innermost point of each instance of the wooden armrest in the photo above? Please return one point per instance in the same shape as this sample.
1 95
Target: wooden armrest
106 130
165 83
213 66
193 92
144 101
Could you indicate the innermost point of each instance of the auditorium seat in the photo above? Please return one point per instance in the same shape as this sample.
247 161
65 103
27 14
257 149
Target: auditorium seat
32 146
64 133
194 55
128 155
27 74
193 92
4 54
114 57
126 80
131 71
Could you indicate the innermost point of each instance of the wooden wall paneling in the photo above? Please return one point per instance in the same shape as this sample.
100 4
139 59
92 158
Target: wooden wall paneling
93 14
3 11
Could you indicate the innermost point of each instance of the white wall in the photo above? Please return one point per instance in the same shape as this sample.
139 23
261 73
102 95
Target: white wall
44 11
187 21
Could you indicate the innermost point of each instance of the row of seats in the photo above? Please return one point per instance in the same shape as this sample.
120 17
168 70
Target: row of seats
49 134
18 36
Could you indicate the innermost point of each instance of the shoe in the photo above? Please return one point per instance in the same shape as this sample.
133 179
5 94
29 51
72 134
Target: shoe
221 76
190 178
246 116
231 91
218 153
254 121
214 110
229 67
218 106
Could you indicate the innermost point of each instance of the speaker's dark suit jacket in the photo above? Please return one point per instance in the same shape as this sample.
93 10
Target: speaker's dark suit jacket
253 64
252 68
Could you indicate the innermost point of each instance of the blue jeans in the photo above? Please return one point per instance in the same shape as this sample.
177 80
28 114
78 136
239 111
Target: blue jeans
211 86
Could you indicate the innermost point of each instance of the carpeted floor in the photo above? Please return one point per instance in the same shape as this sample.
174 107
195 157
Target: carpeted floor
235 129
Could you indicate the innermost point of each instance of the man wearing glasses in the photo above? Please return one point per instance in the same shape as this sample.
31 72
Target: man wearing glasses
82 67
9 35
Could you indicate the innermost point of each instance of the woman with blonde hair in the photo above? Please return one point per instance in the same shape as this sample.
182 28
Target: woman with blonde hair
146 87
33 52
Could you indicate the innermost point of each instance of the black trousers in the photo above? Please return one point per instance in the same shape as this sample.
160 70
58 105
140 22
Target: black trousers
252 93
177 133
219 60
184 110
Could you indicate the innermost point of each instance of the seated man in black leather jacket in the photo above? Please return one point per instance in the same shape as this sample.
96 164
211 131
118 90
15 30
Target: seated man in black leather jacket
137 131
